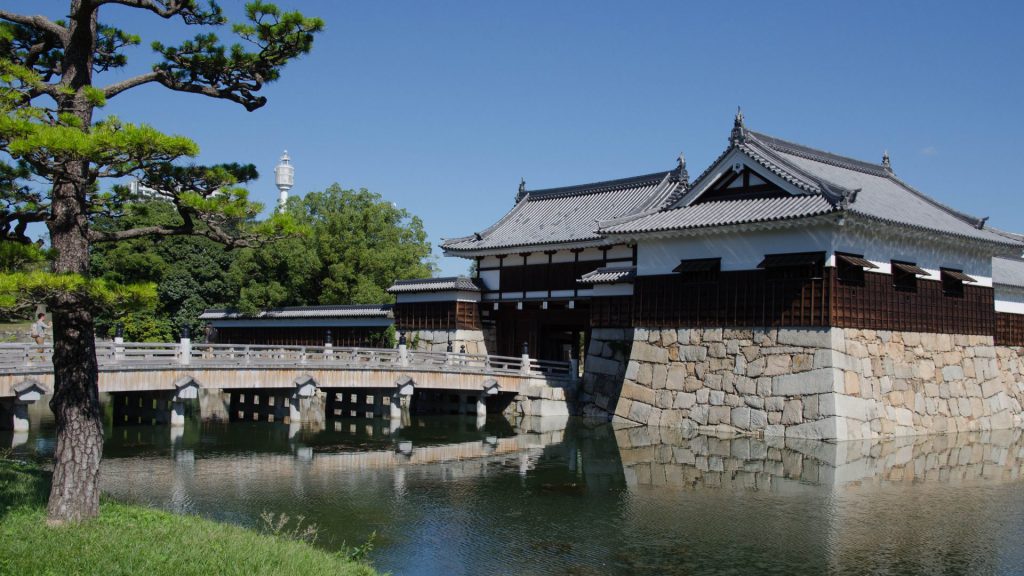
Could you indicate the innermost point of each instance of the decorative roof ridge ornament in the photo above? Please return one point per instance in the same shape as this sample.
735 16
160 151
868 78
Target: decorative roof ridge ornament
981 223
681 173
739 131
886 163
848 197
522 189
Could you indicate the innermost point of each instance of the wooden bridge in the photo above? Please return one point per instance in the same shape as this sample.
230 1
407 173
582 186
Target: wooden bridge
150 381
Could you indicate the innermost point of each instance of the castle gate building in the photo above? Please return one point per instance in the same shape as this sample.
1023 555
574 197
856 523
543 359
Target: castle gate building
786 291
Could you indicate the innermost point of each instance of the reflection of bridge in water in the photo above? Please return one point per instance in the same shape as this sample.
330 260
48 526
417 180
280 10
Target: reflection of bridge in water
150 383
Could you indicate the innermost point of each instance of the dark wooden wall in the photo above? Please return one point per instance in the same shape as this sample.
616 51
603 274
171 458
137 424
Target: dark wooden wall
302 336
1009 329
752 298
437 316
611 312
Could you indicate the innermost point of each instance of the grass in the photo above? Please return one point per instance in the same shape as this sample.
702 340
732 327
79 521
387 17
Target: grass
128 539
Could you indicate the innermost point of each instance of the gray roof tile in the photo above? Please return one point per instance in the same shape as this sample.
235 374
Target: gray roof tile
1008 271
609 275
569 214
830 183
725 212
461 283
329 311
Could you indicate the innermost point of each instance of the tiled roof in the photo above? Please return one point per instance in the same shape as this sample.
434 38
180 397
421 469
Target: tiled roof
609 275
569 214
724 213
330 311
460 283
828 182
1008 271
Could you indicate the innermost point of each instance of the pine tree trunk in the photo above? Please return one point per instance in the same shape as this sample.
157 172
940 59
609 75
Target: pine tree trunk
74 495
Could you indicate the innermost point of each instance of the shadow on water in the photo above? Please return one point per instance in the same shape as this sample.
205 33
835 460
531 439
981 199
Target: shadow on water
455 496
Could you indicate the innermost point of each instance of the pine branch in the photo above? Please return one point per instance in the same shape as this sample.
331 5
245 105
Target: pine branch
39 22
188 10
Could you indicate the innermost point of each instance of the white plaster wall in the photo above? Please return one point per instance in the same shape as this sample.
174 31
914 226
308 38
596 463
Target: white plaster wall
745 250
620 251
740 251
489 262
1009 299
882 248
491 278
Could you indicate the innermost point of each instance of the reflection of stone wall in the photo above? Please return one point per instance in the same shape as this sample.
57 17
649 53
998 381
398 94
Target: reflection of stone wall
437 340
672 458
807 383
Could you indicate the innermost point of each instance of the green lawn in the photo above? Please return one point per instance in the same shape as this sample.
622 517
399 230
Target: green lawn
136 540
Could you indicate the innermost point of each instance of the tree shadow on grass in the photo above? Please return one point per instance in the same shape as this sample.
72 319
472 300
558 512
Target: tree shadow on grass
22 485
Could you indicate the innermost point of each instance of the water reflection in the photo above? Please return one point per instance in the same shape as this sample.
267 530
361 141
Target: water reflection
453 495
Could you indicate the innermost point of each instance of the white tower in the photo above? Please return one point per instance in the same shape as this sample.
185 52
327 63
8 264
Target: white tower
284 176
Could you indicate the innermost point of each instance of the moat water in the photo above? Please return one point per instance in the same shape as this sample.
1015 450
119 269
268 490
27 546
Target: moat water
452 496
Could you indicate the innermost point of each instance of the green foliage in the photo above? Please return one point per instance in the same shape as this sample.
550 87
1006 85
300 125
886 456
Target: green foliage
355 245
190 273
137 540
20 257
24 289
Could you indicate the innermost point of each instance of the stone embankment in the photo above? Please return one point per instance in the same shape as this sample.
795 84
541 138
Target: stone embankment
803 383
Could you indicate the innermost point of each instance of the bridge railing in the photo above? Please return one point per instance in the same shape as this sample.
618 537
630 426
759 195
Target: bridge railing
16 357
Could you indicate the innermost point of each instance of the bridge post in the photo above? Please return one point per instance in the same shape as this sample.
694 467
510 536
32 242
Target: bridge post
119 343
185 348
404 388
25 393
305 387
490 388
403 350
185 388
328 345
525 367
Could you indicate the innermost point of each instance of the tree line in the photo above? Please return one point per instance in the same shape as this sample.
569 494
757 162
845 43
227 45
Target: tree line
348 247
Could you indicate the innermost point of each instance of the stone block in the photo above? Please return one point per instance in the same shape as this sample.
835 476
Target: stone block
700 414
952 373
812 382
778 364
712 335
599 365
774 403
668 337
758 419
645 374
824 429
807 338
852 383
740 418
718 415
754 402
693 353
745 385
990 388
776 430
660 376
631 369
646 352
811 407
792 412
684 400
716 398
703 395
676 378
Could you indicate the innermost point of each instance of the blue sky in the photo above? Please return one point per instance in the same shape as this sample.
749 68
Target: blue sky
442 106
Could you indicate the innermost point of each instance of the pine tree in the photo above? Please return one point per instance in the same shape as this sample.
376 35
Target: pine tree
49 93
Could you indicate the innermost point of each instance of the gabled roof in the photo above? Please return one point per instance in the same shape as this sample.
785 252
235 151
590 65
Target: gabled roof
328 311
570 214
460 283
1008 272
820 182
608 275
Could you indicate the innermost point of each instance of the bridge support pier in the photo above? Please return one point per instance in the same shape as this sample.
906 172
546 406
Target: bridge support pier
25 393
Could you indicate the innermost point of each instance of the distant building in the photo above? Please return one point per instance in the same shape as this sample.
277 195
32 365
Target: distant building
355 325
